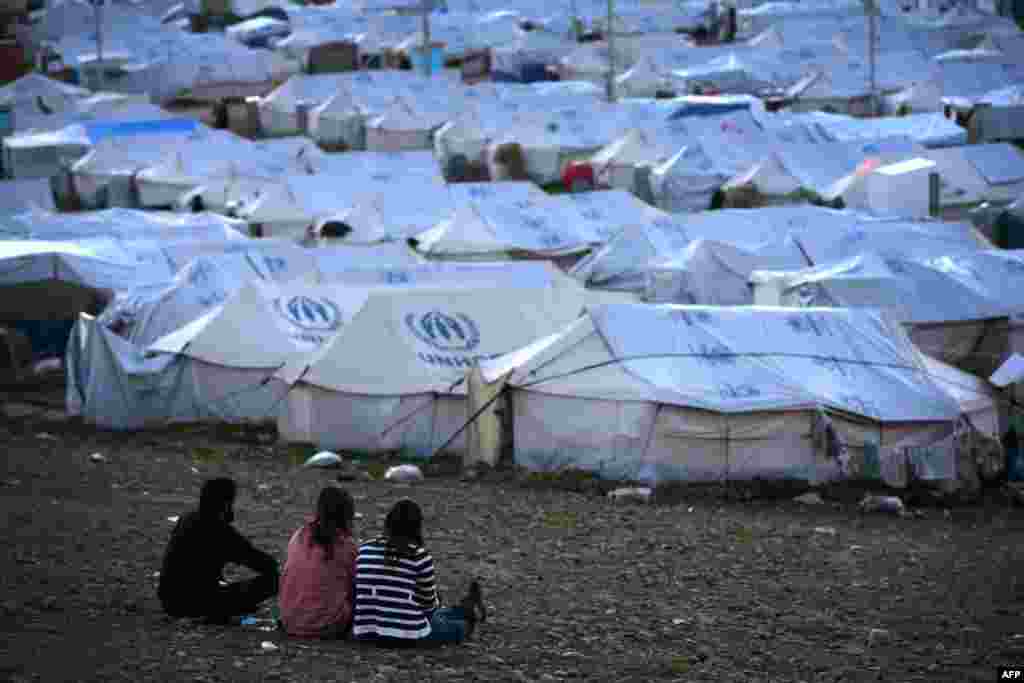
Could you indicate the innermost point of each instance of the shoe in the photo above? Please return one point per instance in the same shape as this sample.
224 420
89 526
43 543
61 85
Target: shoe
474 602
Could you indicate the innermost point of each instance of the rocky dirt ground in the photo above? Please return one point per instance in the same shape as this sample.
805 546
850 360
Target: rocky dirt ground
699 589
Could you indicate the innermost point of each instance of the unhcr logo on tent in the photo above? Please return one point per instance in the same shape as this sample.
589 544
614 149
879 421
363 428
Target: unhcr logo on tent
310 313
444 332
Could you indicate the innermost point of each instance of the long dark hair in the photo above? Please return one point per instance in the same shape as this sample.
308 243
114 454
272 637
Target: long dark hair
404 526
217 497
334 512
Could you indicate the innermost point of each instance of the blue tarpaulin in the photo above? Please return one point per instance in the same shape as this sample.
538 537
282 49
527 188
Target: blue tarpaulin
116 129
708 109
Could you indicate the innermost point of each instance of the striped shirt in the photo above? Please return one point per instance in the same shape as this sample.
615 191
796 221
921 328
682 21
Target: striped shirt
394 597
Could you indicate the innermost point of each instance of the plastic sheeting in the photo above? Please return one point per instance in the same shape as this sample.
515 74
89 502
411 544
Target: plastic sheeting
17 196
119 224
821 235
148 313
222 157
713 273
114 384
696 393
975 285
422 342
818 167
291 207
928 129
495 219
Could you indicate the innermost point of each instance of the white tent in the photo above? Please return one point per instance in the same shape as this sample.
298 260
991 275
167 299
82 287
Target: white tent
339 120
713 273
462 32
976 173
370 90
293 206
35 271
401 127
29 88
41 155
615 165
817 167
218 367
968 175
947 301
537 47
44 143
45 285
277 111
39 115
146 314
647 79
660 393
17 196
224 194
498 220
105 176
620 264
605 213
119 224
686 181
820 235
392 379
926 129
221 157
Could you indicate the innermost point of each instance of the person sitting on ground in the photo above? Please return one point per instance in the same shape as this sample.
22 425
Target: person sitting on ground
202 543
396 595
317 584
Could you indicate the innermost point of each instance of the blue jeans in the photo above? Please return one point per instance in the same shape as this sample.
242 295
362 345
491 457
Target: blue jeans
447 625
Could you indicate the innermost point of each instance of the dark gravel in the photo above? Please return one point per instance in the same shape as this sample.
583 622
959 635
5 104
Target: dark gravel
578 588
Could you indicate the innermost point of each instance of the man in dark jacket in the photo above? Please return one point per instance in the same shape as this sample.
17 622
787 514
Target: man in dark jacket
203 541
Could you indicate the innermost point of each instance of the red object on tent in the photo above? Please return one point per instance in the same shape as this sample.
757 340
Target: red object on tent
577 172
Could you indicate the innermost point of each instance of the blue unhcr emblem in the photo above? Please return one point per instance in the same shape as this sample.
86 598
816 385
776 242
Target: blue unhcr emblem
444 332
310 313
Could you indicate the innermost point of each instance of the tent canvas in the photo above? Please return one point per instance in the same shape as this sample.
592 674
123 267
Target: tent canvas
393 378
492 220
713 273
817 167
821 236
17 196
148 313
119 224
222 156
955 306
104 177
661 393
606 213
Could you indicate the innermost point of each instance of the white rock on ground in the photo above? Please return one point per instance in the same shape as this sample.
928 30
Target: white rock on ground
809 499
324 459
641 495
404 473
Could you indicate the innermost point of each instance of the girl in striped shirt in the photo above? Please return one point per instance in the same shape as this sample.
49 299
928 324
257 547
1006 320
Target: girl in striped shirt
396 593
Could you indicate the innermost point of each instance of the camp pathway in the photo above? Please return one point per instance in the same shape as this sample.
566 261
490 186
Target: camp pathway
577 587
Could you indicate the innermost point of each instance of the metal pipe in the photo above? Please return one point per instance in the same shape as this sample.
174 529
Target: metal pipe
872 15
611 51
98 5
427 56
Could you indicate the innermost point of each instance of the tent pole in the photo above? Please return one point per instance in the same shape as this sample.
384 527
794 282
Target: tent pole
611 51
427 56
98 13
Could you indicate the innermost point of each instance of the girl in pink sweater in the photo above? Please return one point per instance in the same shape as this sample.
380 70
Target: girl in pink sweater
317 586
